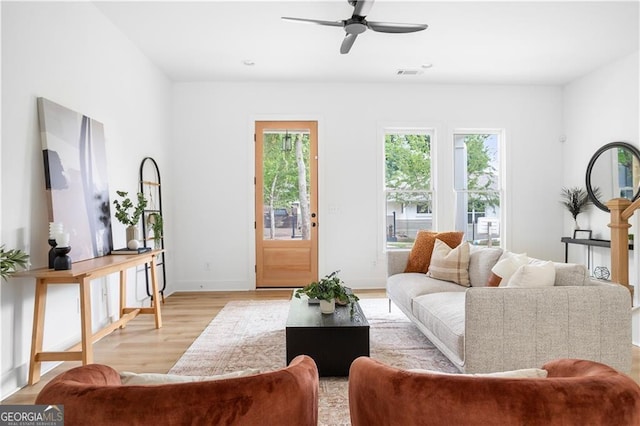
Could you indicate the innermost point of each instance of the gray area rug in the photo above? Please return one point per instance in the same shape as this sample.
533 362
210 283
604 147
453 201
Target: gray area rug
251 334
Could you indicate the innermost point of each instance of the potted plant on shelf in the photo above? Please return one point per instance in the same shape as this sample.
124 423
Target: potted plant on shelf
328 291
576 200
11 260
129 214
154 221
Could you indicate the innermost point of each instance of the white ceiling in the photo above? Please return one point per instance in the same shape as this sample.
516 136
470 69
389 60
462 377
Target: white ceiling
501 42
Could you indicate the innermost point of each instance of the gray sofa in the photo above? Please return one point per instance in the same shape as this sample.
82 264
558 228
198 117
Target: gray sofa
484 329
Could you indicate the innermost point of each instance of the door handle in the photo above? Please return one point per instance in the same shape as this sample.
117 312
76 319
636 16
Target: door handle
313 224
313 215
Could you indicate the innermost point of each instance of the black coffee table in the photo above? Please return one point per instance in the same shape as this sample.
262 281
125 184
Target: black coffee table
332 340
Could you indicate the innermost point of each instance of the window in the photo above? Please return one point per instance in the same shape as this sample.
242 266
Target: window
478 186
408 187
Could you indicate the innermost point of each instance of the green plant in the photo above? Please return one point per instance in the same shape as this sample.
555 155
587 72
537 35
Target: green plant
126 212
329 287
11 260
154 220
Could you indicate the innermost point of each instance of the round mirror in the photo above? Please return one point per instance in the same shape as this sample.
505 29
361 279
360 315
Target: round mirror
613 172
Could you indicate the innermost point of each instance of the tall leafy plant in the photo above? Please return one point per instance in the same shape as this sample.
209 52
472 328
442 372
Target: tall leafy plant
128 213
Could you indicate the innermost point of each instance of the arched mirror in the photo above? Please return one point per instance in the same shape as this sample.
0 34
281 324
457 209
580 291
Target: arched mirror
614 172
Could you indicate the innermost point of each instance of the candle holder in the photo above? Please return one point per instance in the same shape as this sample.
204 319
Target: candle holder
52 253
62 262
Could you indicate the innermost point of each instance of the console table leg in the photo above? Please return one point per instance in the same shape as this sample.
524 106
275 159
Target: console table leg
123 294
38 330
156 295
85 321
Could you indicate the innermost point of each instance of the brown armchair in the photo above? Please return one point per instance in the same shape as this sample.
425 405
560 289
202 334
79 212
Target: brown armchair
576 392
93 394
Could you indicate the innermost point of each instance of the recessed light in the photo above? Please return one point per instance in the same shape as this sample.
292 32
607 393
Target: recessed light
248 62
426 66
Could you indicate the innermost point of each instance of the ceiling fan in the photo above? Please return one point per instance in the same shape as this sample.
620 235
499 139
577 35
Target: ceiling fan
357 24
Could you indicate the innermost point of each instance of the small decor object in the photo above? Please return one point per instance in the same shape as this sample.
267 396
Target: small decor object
62 262
582 234
154 220
54 230
576 200
129 214
329 290
601 273
52 253
11 260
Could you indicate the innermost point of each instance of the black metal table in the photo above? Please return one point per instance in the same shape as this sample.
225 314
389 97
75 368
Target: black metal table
332 340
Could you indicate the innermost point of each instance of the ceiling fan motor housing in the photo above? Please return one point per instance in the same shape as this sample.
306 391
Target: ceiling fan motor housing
355 25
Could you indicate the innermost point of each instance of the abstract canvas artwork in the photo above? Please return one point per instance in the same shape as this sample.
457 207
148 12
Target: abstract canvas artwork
75 165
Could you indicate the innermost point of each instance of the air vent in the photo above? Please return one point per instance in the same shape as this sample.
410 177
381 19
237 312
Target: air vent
411 71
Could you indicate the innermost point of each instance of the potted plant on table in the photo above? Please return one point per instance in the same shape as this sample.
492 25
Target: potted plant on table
577 200
11 260
129 214
328 291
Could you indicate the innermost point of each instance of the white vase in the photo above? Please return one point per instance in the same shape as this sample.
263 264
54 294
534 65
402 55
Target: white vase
132 234
328 306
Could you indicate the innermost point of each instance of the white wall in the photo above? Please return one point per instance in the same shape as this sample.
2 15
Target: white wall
69 53
213 134
599 108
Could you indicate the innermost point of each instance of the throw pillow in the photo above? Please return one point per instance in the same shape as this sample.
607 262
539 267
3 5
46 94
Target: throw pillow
420 256
450 264
129 378
505 267
524 373
541 274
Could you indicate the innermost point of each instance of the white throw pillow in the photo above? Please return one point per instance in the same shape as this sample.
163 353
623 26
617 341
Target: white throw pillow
542 274
450 264
129 378
524 373
507 265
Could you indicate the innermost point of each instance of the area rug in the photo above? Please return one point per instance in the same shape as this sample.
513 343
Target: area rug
251 334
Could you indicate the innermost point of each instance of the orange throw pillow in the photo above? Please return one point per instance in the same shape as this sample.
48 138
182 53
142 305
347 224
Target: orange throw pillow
420 256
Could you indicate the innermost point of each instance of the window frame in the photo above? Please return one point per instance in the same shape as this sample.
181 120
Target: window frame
431 192
501 173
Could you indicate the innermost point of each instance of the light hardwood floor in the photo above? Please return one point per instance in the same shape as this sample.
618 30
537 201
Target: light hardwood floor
142 348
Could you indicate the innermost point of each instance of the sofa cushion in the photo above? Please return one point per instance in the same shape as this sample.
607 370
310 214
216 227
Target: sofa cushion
129 378
420 256
443 314
570 274
522 373
481 260
506 266
539 274
450 264
403 288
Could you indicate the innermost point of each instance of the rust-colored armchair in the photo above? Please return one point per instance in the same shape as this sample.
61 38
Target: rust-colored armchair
576 392
93 395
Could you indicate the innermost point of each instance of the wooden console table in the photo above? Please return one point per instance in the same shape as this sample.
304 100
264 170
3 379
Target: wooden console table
82 273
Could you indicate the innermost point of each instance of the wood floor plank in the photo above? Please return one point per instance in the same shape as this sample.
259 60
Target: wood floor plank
142 348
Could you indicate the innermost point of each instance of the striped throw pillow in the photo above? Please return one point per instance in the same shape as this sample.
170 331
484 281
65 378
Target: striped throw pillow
450 264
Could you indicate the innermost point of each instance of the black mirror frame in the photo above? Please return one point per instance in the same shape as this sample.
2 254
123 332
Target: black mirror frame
635 151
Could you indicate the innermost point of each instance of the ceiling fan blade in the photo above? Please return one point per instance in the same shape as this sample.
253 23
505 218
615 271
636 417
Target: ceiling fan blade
315 21
361 7
388 27
348 41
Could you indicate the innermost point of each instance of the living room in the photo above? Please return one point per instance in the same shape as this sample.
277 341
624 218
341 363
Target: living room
200 131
